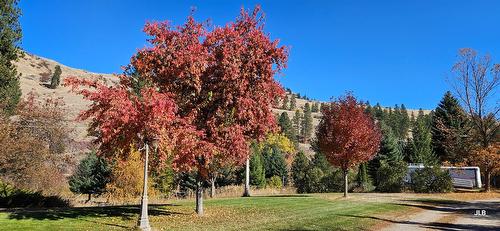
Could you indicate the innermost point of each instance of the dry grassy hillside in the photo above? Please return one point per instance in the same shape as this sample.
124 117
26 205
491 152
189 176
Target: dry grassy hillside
36 73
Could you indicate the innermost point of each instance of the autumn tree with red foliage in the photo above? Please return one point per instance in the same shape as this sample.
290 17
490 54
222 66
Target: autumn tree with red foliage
208 92
346 135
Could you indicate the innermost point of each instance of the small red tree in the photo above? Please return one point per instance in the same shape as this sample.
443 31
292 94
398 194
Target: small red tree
346 135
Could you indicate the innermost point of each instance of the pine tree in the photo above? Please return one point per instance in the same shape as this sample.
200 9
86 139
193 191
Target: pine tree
56 78
10 35
285 103
293 102
422 141
362 178
379 112
450 129
307 126
274 162
91 176
257 171
404 122
297 119
287 127
300 167
389 147
389 151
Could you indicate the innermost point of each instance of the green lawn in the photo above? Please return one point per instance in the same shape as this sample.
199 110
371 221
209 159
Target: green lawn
295 212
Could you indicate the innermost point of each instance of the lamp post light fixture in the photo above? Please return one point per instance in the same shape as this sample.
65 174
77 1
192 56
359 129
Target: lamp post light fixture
143 222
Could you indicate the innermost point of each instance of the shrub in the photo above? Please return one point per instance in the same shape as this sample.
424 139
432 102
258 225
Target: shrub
431 180
275 182
390 176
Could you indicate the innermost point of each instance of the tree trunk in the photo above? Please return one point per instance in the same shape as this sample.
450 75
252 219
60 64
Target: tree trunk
88 199
199 198
246 193
346 185
488 180
212 189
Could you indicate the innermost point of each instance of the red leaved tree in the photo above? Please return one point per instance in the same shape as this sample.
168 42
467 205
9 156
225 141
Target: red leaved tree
346 135
207 92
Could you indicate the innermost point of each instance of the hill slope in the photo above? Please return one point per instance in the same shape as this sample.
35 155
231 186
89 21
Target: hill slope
36 73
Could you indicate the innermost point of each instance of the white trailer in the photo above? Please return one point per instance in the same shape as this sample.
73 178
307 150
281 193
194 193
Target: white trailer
462 177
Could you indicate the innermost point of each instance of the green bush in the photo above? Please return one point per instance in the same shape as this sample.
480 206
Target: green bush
275 182
431 180
390 176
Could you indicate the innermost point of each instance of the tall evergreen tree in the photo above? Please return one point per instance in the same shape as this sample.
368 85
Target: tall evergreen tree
287 127
389 151
297 122
285 103
404 122
450 130
257 171
300 167
422 141
307 126
293 102
10 36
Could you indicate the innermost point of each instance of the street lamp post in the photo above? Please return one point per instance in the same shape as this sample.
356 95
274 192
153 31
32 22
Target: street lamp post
143 222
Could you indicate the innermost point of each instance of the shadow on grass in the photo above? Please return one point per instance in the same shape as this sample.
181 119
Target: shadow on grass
286 195
126 213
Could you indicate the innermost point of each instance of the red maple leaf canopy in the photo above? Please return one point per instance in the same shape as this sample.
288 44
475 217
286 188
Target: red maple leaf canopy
346 135
205 93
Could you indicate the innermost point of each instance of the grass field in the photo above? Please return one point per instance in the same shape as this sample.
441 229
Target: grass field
293 212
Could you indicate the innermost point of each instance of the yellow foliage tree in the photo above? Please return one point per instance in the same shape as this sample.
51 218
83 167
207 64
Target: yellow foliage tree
127 177
283 143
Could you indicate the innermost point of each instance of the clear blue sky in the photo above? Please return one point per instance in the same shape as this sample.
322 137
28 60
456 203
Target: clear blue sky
390 52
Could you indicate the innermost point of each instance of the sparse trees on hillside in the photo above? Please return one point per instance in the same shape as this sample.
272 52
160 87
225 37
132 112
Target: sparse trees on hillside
346 135
10 36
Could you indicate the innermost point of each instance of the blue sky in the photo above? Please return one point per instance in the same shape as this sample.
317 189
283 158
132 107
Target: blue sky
390 52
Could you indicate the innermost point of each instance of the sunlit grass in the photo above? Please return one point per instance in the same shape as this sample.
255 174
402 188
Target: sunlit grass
256 213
